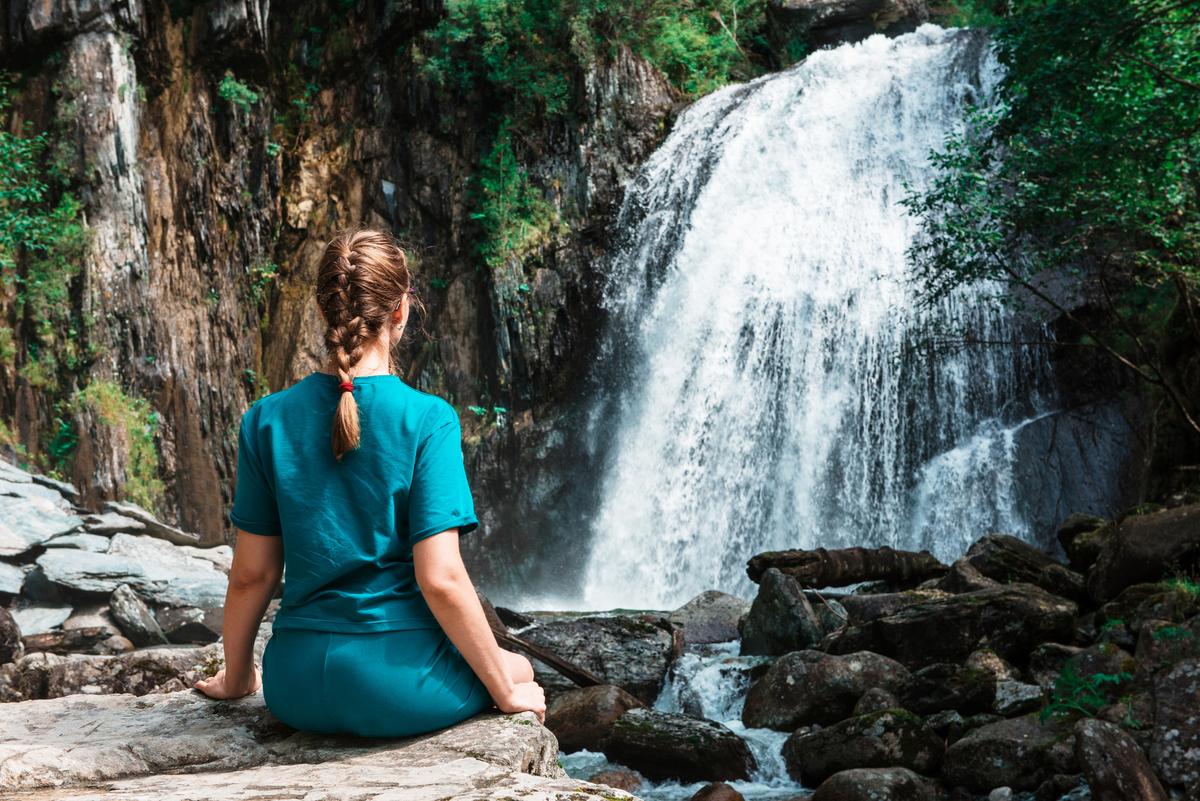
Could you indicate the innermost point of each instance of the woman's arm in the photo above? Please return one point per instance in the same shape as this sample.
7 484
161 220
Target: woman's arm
253 578
451 597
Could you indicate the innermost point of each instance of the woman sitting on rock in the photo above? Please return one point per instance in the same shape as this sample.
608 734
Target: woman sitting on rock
379 631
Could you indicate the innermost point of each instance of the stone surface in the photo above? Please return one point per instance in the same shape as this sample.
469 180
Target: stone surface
40 619
780 619
1081 538
186 746
81 540
795 26
109 523
1146 548
1019 753
134 618
73 641
10 637
806 687
631 652
187 624
946 685
1017 697
30 519
1115 768
710 617
12 578
717 791
626 780
151 525
584 717
1011 620
876 784
891 738
875 699
1006 559
1175 745
663 745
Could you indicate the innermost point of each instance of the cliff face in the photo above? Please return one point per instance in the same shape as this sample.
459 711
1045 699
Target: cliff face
214 148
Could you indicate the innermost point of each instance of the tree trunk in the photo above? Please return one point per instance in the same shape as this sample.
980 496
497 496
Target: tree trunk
838 568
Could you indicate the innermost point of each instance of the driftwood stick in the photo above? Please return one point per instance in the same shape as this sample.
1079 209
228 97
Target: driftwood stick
573 672
839 567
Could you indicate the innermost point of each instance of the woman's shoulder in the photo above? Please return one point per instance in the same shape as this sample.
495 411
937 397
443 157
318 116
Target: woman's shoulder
432 410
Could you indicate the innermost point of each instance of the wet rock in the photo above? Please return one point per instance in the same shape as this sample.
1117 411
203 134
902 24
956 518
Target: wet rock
152 526
1017 697
796 26
892 738
626 780
946 685
965 577
185 745
134 617
875 699
81 540
1019 753
1011 620
806 687
10 637
876 784
1007 559
584 717
988 660
631 652
1049 660
515 621
1063 787
40 619
12 578
30 519
1116 769
1161 643
1145 548
717 791
780 619
1080 538
872 606
662 745
185 624
710 617
81 640
1148 601
1175 743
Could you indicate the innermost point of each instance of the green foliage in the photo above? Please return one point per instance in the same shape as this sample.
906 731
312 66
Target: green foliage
1171 633
236 92
512 212
1085 166
262 274
1183 585
1112 623
133 424
1083 695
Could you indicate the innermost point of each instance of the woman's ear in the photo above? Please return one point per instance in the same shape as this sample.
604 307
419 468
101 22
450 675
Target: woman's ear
400 315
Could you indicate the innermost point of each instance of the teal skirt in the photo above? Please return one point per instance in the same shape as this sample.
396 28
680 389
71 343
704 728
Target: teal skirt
373 684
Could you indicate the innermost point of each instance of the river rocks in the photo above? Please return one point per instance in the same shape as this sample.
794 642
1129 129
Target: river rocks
134 618
584 717
10 637
872 606
717 791
1017 697
1175 744
1081 537
710 617
1116 769
875 699
37 619
662 745
806 687
627 780
1007 559
876 784
186 746
1145 548
780 619
150 524
82 640
942 686
1019 753
631 652
28 520
892 738
1011 620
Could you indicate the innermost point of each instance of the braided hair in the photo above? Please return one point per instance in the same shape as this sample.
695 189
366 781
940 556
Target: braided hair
362 279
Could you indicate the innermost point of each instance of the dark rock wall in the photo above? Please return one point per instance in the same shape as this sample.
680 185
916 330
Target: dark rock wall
191 197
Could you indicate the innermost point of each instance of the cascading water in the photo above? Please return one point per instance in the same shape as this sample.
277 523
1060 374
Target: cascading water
774 385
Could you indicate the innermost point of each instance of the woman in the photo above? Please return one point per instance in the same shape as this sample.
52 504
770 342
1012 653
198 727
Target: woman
379 631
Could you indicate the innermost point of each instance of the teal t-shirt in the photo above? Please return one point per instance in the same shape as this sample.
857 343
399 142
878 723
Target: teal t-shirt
348 527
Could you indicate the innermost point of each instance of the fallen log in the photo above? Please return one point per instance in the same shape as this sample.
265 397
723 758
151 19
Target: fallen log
843 566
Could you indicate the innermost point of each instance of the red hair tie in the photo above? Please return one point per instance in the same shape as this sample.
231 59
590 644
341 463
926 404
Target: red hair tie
347 386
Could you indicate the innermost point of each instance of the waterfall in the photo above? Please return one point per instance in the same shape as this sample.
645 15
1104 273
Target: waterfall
770 378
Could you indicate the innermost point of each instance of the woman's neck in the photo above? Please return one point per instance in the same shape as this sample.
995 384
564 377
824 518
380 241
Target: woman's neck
374 361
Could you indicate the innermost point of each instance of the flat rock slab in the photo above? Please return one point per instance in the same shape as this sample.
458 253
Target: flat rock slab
184 745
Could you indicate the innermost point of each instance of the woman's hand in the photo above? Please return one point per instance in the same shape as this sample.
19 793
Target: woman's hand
528 696
223 687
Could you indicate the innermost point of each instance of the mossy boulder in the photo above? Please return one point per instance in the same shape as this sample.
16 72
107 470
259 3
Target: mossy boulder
890 738
1019 753
664 745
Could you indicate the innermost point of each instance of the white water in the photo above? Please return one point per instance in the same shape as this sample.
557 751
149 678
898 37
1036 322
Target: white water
712 685
773 385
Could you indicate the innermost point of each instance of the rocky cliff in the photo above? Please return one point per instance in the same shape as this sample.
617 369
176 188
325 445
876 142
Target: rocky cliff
213 148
